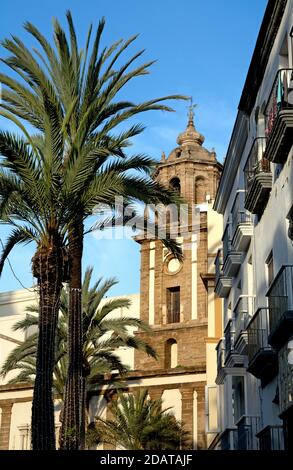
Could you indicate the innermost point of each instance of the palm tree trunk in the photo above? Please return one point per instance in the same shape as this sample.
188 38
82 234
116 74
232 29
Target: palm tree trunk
83 414
71 424
47 266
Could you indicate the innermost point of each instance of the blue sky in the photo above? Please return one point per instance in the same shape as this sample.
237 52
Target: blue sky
202 48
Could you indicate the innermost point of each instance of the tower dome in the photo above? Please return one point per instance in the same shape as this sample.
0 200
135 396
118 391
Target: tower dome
190 136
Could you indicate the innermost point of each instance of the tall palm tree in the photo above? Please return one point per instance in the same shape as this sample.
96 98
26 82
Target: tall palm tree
139 423
103 335
30 203
84 87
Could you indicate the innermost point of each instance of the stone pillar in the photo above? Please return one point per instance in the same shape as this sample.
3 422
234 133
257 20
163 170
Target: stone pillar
187 412
5 424
201 434
155 393
109 416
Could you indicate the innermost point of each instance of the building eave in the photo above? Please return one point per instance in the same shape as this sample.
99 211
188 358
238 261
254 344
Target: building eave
264 43
231 163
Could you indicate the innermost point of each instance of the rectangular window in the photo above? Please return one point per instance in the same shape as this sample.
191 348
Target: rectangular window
211 408
173 305
270 268
238 398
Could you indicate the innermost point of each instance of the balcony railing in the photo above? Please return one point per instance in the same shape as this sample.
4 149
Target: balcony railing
258 177
256 163
258 331
229 439
223 283
248 427
220 354
219 264
226 242
229 338
280 299
231 257
279 117
238 213
243 312
278 99
262 358
271 438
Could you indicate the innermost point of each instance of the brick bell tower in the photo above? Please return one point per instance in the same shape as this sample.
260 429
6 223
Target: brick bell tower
174 295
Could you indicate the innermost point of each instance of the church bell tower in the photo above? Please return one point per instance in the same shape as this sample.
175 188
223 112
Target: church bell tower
174 294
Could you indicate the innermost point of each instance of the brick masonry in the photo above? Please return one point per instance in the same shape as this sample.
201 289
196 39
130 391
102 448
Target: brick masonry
6 409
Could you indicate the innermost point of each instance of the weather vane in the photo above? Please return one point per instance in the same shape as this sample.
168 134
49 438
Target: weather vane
190 109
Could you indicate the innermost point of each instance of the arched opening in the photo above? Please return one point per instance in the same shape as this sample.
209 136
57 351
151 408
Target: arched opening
171 353
200 190
175 184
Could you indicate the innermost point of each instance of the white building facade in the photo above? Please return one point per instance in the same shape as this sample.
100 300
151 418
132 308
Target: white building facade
255 265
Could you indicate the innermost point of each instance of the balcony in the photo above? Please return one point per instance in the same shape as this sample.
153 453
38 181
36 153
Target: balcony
279 117
285 387
262 358
232 356
247 429
241 224
258 178
280 298
231 258
229 439
220 354
243 312
229 338
271 438
223 283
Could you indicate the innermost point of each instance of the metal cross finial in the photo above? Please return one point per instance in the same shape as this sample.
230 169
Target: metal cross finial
190 110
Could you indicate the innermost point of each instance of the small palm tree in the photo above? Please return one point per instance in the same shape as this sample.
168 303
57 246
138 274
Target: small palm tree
103 335
139 423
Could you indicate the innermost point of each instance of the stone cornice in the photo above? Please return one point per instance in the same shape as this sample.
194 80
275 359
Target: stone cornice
15 387
23 295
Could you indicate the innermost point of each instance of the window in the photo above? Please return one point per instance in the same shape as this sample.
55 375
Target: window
24 436
171 353
270 268
211 408
238 399
175 184
173 305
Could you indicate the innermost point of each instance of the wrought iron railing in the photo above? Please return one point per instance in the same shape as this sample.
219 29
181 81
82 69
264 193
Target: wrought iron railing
219 264
243 312
278 99
271 438
248 427
220 354
238 213
258 331
226 242
280 295
229 439
256 163
229 338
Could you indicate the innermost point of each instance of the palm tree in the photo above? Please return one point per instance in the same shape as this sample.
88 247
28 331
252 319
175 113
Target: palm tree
81 88
139 423
103 335
30 203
